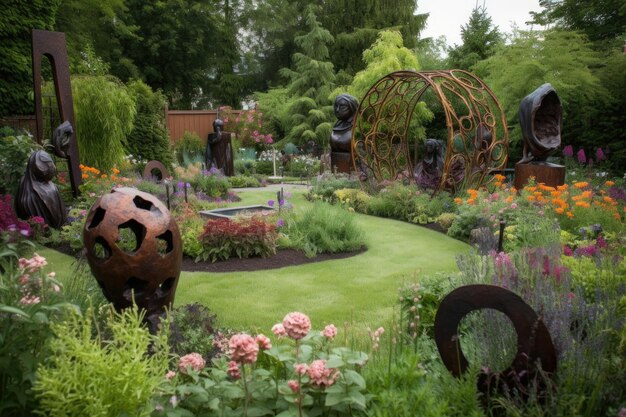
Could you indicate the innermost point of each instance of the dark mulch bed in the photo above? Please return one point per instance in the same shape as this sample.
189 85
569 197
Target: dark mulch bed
283 258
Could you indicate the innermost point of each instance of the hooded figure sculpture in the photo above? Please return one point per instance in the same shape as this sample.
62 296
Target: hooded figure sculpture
341 137
37 195
540 115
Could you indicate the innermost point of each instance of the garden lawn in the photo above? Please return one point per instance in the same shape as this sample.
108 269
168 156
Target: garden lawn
358 292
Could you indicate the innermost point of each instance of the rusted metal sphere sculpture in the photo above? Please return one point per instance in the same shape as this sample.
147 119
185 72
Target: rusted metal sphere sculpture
477 137
535 350
134 250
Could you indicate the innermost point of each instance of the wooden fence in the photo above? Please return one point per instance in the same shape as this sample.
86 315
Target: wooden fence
199 122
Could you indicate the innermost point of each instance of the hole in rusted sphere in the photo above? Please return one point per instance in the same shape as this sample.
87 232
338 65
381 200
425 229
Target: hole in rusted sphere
142 203
134 286
165 287
101 249
130 236
165 243
98 216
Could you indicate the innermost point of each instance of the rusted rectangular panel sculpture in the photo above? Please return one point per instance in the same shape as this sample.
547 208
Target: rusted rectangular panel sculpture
52 46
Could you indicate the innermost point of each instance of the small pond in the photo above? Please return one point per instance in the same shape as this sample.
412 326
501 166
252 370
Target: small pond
230 212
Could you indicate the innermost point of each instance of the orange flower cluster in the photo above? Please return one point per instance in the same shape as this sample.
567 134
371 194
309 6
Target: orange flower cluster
91 173
565 199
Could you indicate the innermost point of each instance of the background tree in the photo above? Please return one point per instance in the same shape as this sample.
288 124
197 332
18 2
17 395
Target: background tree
311 82
480 40
16 80
562 58
600 20
149 138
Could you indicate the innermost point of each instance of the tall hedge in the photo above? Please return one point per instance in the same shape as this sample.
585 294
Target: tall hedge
149 138
17 19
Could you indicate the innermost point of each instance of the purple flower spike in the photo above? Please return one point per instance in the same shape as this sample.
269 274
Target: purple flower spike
281 203
280 223
600 156
270 203
568 151
582 158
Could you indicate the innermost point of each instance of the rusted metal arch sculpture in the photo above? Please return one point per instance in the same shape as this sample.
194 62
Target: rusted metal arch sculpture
477 142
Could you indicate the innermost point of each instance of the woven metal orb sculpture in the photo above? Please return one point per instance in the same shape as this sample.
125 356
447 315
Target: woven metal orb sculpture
477 136
134 250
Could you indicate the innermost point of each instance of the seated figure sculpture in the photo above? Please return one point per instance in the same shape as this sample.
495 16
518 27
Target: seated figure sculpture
37 195
212 139
341 137
428 171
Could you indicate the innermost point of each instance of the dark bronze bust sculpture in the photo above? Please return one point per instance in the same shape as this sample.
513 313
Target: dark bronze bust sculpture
37 195
540 115
428 171
341 137
61 139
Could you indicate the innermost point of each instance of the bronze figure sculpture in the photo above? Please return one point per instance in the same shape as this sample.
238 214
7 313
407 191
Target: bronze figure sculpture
219 153
37 195
428 171
134 250
341 137
540 116
61 139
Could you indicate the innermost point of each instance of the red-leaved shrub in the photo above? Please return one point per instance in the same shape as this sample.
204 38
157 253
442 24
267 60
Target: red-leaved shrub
223 238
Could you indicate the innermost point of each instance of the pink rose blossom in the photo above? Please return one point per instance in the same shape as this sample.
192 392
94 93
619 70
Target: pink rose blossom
193 361
170 375
23 279
329 331
264 342
295 387
301 368
297 325
321 375
279 330
243 348
233 370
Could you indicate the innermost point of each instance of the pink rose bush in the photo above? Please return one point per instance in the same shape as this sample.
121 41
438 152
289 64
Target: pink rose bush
329 331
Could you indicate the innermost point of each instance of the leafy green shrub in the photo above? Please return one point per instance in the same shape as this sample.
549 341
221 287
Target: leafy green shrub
326 184
15 149
245 166
150 187
191 229
224 238
303 166
595 276
350 197
193 329
72 231
149 138
265 167
86 375
466 221
445 220
212 183
291 149
242 181
394 202
323 228
189 149
104 118
29 301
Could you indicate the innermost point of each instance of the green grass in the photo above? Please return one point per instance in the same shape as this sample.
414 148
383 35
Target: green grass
360 291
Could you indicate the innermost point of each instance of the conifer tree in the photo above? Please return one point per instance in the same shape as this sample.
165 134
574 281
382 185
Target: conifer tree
480 40
311 82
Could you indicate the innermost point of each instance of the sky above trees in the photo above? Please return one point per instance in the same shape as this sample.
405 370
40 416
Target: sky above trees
447 16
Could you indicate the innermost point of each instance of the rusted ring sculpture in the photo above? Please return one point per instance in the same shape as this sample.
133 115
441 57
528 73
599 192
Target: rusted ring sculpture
535 349
155 165
477 140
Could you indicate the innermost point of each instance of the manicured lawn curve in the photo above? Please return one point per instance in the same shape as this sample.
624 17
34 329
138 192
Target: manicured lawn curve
360 290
